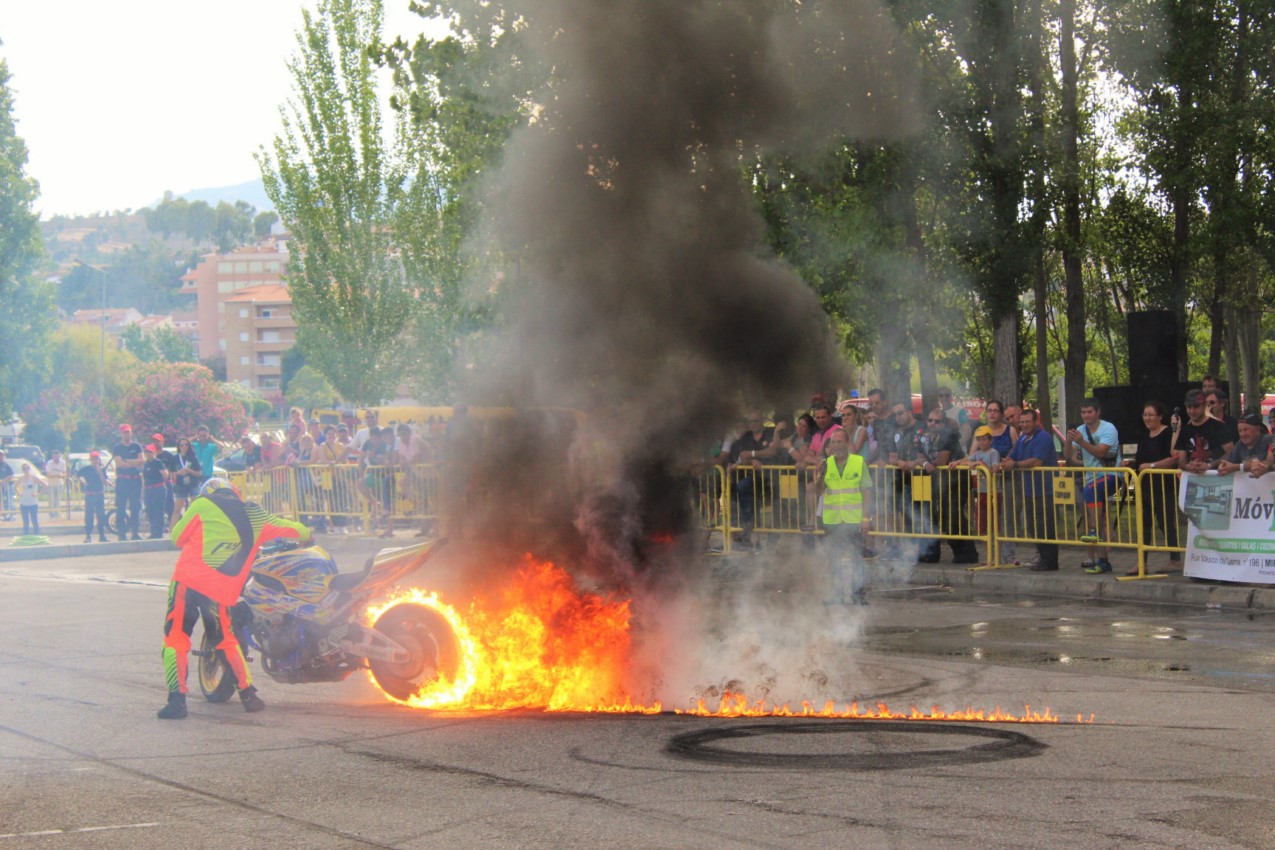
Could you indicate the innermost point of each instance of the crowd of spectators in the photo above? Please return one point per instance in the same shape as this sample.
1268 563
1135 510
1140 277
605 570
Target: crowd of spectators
938 450
153 484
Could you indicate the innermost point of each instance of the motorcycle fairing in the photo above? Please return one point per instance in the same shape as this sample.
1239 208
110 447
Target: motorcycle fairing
303 573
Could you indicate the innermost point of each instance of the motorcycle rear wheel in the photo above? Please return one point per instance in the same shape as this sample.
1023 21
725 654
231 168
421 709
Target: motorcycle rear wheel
216 680
431 645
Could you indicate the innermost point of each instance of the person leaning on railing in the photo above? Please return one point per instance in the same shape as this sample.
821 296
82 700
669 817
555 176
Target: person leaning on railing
1157 493
1033 451
1252 454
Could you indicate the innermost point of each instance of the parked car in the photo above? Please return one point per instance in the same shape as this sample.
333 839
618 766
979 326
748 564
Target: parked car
77 460
233 462
15 453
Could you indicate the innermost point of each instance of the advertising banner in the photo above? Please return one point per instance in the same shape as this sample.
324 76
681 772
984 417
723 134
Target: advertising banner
1230 526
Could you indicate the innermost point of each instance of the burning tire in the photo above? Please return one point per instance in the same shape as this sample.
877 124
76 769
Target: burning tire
431 647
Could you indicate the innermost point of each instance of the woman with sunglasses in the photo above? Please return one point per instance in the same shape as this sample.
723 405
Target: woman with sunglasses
186 477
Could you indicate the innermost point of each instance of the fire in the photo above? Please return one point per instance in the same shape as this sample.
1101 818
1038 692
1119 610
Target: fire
541 643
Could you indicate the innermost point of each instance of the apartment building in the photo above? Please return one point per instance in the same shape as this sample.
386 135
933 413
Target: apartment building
258 329
219 277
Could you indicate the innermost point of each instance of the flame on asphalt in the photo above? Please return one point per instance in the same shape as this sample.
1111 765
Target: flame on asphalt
541 643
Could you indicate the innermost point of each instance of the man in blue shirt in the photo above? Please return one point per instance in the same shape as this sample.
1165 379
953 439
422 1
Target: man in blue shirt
1031 484
1096 445
205 452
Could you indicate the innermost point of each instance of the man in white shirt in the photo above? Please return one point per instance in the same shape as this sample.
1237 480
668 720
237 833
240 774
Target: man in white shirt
360 438
55 474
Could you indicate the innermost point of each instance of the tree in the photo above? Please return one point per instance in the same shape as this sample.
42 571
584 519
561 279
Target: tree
163 343
146 277
176 398
26 319
341 193
454 124
308 389
251 400
234 224
262 223
67 409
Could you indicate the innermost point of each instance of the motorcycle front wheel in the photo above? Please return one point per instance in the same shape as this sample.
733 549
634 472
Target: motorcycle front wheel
216 679
431 647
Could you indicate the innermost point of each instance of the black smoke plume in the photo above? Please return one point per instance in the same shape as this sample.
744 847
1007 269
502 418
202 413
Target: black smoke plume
643 292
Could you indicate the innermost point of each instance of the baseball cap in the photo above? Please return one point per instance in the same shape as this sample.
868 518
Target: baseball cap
1254 419
314 420
126 427
1194 397
343 427
95 454
982 431
150 447
158 439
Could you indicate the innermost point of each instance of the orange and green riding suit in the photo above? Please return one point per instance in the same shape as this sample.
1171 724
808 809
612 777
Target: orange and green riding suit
219 536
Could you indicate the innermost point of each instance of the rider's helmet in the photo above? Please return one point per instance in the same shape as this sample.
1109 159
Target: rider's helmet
213 485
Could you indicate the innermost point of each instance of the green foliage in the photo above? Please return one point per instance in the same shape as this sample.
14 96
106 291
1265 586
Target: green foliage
308 389
146 277
162 343
25 320
252 402
67 408
453 127
342 195
262 223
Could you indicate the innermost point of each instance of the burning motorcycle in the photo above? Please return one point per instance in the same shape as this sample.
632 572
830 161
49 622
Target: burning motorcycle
302 615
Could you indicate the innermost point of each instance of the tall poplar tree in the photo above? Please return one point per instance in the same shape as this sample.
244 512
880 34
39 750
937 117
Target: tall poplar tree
339 188
26 319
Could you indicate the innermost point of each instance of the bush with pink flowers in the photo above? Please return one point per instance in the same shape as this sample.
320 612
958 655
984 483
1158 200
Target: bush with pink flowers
174 399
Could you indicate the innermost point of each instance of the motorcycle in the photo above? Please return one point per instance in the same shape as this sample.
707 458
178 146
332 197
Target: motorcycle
302 615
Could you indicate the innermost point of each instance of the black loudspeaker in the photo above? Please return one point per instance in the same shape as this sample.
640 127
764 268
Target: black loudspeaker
1122 406
1153 349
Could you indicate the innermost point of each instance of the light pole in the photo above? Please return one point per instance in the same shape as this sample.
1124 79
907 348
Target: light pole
101 358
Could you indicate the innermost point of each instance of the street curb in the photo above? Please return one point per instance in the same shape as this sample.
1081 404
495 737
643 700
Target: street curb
1175 590
70 550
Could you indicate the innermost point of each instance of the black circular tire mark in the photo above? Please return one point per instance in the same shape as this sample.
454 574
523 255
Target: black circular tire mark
698 746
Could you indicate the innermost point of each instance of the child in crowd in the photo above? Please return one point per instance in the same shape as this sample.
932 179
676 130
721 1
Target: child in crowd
987 457
29 485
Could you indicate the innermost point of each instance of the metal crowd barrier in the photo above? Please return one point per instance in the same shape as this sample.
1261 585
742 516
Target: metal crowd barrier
345 495
1160 521
1131 510
711 504
945 504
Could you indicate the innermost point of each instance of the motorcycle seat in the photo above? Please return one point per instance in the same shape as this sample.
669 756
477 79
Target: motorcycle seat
349 581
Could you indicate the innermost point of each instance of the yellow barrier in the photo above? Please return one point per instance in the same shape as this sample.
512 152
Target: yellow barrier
1137 512
941 505
711 504
345 493
769 500
1160 527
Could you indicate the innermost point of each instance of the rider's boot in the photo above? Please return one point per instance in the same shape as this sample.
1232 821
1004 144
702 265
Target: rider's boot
251 702
176 708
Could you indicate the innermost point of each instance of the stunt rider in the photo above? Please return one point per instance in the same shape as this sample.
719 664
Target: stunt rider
219 536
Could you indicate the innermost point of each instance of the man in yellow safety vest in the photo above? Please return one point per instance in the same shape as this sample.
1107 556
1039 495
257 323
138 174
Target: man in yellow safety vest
845 487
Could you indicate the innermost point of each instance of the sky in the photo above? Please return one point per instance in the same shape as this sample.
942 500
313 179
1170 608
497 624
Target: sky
119 102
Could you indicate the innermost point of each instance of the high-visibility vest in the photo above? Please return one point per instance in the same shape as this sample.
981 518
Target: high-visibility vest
842 498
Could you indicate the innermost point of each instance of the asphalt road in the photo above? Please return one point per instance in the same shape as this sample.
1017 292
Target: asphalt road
1179 755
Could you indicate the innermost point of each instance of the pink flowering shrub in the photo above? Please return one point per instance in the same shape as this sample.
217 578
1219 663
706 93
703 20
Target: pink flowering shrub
174 399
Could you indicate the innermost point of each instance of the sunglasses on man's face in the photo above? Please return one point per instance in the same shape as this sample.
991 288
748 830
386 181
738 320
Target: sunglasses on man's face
935 421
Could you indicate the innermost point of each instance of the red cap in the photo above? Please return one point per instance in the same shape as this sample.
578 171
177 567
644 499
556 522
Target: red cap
126 427
95 454
150 447
158 438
